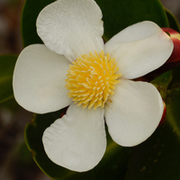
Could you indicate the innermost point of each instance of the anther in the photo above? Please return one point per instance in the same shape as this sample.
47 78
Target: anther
91 79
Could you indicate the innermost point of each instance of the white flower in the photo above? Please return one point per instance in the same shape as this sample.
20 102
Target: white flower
100 77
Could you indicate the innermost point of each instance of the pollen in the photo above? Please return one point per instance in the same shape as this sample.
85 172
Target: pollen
91 79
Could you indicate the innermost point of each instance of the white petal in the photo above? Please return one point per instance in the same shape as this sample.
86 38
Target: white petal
77 141
71 27
140 49
133 112
39 80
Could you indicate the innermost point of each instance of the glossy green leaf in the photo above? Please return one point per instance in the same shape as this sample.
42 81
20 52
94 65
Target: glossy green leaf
175 82
162 83
173 23
163 80
117 15
112 166
7 63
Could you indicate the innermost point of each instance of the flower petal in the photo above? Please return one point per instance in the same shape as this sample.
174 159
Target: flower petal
77 141
133 112
39 80
71 28
140 49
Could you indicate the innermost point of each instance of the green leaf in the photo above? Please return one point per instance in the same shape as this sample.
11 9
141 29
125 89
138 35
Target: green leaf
163 80
173 23
112 166
117 15
162 83
175 83
7 63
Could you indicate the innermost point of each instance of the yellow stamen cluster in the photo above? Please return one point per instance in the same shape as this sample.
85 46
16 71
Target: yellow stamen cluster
91 79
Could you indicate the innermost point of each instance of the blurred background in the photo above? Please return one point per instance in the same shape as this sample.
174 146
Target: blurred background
16 161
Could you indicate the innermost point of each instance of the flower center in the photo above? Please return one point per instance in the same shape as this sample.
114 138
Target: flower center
91 79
